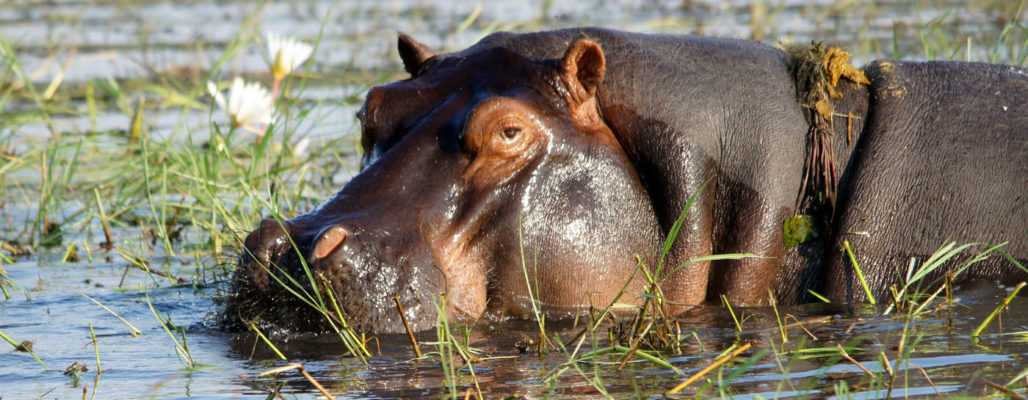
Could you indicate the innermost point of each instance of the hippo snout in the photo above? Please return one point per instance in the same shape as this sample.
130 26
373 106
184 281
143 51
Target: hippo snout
328 242
366 269
362 270
265 245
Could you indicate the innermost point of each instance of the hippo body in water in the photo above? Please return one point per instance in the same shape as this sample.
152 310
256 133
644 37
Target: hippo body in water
562 158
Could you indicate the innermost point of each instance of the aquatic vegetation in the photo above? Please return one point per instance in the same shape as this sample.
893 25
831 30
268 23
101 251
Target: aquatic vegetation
249 106
123 167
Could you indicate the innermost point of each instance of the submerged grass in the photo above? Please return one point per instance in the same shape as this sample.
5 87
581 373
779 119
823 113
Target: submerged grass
180 342
99 367
132 329
450 351
999 308
24 347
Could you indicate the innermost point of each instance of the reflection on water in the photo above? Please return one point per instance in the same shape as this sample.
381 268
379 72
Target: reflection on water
137 41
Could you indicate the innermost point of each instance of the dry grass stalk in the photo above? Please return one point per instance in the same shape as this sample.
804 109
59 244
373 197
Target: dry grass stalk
303 371
847 356
406 326
714 365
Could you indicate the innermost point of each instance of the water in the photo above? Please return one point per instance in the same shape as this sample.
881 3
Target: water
80 41
55 314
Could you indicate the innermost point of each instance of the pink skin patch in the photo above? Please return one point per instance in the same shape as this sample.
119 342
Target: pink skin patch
330 241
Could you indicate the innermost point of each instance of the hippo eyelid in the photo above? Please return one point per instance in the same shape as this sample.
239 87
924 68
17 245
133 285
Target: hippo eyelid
469 115
511 132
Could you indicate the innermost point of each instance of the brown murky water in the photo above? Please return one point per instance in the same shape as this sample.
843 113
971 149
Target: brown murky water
82 40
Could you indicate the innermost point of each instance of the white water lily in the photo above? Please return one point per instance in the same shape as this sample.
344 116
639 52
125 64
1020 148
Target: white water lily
249 105
286 54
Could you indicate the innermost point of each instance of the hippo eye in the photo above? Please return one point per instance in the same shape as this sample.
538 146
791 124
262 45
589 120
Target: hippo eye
511 132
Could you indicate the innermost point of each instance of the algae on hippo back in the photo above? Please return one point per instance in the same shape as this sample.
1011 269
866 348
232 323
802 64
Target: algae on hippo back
893 87
817 70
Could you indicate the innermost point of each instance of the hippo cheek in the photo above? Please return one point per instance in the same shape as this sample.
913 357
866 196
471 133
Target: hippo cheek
365 274
466 288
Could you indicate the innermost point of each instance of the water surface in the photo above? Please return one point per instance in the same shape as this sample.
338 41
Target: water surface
136 44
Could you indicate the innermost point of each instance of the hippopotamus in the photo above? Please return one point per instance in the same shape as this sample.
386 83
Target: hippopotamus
548 170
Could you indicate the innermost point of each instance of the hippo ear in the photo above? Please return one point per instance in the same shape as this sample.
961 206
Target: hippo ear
413 53
583 68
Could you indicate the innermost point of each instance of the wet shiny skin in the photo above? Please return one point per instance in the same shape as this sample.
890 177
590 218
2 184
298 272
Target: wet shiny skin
499 168
534 159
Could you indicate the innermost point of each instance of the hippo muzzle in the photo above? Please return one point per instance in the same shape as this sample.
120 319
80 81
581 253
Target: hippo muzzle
362 270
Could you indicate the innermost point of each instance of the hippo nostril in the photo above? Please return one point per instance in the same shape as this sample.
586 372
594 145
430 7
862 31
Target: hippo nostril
262 242
329 242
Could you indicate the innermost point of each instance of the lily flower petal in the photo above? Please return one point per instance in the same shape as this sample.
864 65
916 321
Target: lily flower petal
286 54
249 105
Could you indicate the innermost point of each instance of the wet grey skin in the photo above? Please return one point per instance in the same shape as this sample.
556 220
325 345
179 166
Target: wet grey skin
567 154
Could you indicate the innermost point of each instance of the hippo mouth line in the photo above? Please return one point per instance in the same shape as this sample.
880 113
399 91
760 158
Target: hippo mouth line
310 275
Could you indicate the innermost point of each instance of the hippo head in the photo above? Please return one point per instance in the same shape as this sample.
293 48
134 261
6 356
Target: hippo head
483 171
